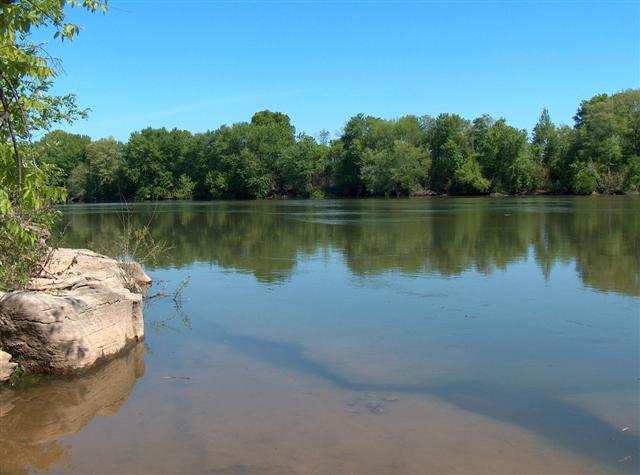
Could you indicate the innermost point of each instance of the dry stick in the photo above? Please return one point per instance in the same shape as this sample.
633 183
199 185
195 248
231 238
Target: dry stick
14 140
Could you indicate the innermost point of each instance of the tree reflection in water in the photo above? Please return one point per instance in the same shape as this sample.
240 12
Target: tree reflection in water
439 236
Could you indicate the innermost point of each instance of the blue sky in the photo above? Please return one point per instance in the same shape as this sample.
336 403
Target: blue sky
199 64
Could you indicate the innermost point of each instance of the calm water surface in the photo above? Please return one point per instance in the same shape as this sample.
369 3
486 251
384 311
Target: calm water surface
403 336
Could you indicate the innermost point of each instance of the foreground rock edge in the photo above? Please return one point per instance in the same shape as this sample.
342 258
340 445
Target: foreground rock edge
84 308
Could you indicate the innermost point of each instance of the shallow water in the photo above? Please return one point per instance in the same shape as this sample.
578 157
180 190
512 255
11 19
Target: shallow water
458 335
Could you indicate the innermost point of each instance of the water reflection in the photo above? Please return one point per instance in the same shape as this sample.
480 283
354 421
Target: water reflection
438 307
33 419
442 236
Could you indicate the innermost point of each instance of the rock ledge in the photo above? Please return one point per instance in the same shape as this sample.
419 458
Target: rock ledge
84 308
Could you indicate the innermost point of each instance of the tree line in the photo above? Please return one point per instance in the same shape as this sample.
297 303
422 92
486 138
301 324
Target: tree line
372 157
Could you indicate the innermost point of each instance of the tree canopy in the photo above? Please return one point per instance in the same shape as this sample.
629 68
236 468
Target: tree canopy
371 157
29 185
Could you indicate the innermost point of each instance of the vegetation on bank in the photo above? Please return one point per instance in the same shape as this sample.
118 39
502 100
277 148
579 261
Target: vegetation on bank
372 157
27 105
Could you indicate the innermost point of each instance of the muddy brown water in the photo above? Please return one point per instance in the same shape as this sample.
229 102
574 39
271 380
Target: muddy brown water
461 335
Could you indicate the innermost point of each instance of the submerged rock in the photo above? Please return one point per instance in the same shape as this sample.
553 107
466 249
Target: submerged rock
83 308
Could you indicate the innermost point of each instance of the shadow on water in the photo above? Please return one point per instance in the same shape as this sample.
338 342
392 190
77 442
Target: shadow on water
564 424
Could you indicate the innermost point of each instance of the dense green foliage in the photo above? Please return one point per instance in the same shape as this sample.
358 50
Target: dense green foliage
30 186
372 157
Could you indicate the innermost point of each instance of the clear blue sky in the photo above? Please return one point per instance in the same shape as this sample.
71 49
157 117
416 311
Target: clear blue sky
199 64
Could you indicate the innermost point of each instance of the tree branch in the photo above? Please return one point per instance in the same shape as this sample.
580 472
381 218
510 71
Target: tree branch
14 139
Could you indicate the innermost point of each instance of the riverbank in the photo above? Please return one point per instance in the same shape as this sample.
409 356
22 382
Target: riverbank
419 194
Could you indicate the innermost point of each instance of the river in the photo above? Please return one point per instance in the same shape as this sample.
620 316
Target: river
445 335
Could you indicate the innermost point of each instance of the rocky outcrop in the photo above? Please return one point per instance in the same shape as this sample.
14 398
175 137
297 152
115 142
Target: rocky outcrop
83 308
6 366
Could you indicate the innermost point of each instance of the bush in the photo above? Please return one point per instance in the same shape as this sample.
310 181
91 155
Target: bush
521 174
399 170
632 178
217 184
185 187
585 177
25 218
469 179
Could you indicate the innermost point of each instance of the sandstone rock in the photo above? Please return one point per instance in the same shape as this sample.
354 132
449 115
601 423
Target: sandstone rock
85 307
6 366
136 274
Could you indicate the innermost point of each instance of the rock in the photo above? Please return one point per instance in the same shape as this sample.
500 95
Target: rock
6 366
135 272
85 307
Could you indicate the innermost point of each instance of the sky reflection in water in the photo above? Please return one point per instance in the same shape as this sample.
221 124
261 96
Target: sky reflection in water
521 310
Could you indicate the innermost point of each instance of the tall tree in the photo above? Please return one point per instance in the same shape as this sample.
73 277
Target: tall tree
398 170
63 150
607 138
450 140
544 139
349 161
27 72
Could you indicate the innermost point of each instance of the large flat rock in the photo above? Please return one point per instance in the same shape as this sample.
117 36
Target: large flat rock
84 308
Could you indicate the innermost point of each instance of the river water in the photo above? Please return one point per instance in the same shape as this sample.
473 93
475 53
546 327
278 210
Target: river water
448 335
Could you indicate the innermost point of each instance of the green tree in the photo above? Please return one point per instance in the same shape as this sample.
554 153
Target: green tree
450 140
63 150
27 105
184 188
246 175
585 177
544 148
632 180
505 159
155 159
78 182
300 167
607 137
27 71
399 170
544 138
348 158
468 178
271 133
216 183
100 176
